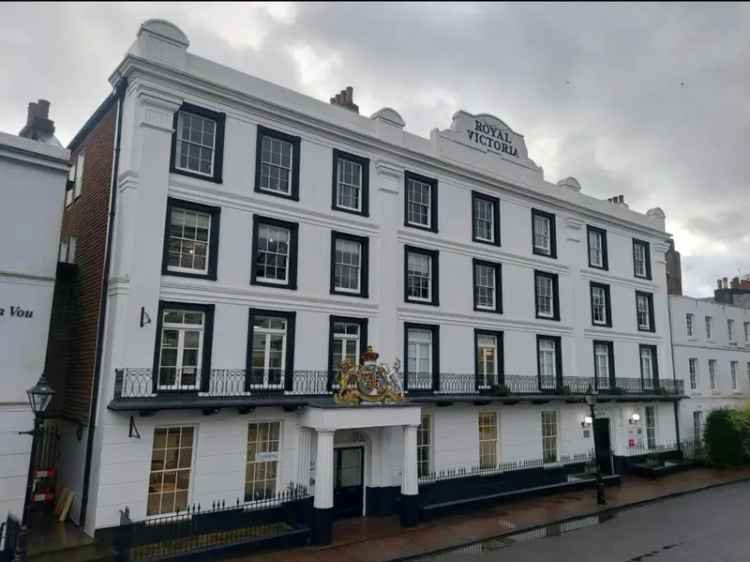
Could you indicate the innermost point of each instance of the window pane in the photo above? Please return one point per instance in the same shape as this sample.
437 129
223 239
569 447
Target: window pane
273 253
169 479
276 165
347 265
419 276
195 143
419 195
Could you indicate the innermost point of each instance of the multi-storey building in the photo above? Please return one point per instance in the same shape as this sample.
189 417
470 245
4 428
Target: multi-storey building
252 238
711 347
33 173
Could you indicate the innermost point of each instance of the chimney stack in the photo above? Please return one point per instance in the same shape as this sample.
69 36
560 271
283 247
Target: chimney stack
345 99
38 124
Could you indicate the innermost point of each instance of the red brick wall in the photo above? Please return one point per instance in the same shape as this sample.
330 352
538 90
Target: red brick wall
76 310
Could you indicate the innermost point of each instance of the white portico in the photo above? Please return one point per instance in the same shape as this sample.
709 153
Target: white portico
325 421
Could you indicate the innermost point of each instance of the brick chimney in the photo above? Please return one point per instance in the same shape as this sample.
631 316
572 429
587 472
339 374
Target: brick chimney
345 99
38 124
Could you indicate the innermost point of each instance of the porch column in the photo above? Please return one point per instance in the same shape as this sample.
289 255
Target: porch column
410 479
322 528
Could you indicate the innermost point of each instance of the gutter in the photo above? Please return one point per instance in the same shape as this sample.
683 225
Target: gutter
101 322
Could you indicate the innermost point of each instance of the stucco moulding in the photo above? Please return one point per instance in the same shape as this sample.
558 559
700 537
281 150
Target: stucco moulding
489 135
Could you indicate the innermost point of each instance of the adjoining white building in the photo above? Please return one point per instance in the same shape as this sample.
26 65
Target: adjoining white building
711 347
33 173
261 236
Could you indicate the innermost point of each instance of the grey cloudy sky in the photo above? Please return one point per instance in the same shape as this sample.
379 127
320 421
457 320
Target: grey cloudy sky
646 100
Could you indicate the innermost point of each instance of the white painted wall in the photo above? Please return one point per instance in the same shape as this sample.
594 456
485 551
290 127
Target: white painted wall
120 465
718 347
32 188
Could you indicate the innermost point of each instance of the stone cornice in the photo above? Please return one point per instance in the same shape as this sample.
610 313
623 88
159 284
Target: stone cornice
138 68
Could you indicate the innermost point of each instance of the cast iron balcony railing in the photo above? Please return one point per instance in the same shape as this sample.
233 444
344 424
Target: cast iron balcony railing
236 383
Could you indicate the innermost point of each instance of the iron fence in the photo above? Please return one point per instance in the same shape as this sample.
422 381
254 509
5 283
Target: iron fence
501 468
236 383
214 528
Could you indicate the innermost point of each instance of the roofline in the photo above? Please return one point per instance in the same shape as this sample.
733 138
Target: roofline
92 121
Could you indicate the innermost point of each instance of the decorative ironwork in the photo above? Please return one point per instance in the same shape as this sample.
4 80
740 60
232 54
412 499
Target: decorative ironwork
369 382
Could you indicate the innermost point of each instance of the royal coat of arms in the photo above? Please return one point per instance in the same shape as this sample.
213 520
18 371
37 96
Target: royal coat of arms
368 382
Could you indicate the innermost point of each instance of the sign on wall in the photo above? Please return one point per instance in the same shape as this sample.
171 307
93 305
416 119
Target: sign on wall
490 135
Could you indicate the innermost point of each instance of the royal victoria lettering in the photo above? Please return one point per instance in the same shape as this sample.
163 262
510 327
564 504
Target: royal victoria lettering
492 137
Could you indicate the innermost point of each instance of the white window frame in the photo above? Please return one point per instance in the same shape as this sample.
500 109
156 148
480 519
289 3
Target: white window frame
491 289
488 420
480 218
600 307
640 266
207 242
488 369
709 322
643 312
712 374
417 343
647 367
596 248
277 463
730 329
266 334
413 184
176 470
347 340
547 347
547 437
693 372
689 317
180 143
602 379
541 297
746 327
420 275
543 234
181 328
341 162
733 373
424 446
338 266
288 262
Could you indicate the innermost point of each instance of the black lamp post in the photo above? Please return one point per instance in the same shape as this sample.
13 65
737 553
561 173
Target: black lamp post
40 395
590 397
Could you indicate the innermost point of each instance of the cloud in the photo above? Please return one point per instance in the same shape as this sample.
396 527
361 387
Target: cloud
649 101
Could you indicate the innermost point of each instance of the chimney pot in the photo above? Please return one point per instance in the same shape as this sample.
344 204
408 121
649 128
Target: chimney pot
345 98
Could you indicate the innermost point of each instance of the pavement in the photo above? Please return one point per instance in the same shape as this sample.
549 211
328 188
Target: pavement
707 526
382 539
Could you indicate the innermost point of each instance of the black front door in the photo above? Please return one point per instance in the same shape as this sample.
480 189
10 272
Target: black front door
348 477
603 445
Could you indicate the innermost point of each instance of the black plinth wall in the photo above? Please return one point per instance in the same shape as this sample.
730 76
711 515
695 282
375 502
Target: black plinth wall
409 510
322 526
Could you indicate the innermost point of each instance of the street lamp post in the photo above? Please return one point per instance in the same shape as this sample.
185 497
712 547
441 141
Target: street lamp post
40 395
590 397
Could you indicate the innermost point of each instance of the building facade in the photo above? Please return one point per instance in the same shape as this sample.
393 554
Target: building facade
260 237
711 347
33 173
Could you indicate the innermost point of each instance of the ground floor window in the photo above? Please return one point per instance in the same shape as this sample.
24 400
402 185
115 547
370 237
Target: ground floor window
262 460
488 439
697 427
651 427
171 460
549 436
424 445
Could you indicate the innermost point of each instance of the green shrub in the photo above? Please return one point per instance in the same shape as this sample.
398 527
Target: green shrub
727 437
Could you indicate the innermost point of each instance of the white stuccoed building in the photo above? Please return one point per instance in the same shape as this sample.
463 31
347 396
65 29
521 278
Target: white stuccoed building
261 236
33 174
711 346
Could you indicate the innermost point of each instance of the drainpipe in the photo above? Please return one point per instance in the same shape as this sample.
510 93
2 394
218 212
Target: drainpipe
101 322
676 403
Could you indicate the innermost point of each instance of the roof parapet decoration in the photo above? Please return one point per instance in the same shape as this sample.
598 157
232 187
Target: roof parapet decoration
489 135
368 382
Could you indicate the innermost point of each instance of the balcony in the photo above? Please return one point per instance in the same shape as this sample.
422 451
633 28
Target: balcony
139 390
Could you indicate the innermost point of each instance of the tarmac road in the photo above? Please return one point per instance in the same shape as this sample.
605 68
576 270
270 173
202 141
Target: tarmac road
708 526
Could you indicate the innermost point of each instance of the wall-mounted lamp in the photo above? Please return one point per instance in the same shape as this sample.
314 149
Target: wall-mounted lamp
635 418
145 318
587 421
